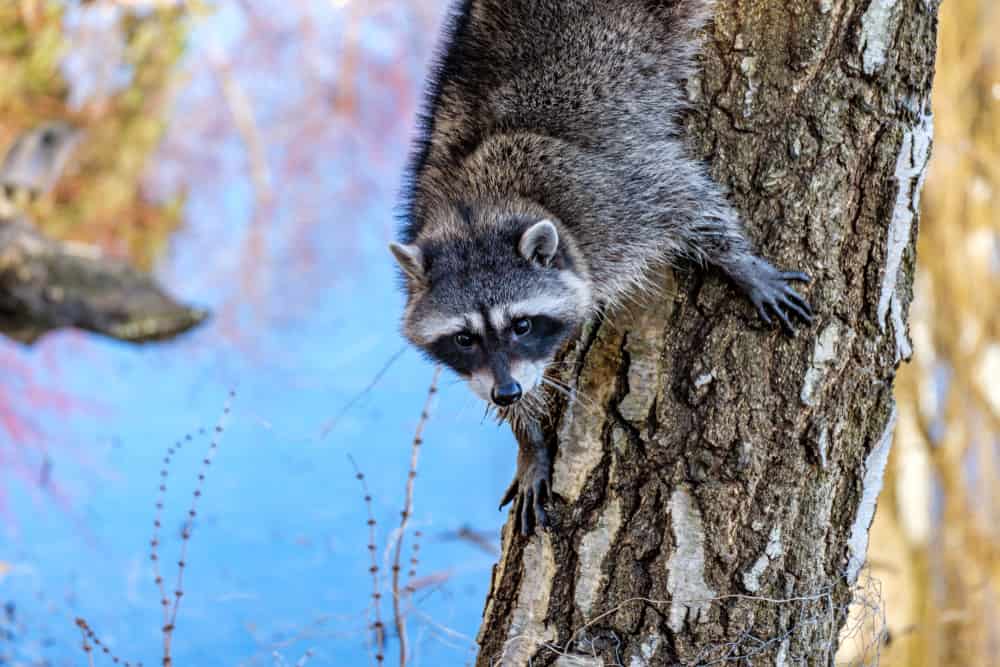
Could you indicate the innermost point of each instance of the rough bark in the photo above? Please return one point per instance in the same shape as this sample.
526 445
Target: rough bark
715 482
47 284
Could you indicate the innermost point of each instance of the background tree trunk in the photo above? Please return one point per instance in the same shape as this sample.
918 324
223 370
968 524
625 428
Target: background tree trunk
716 481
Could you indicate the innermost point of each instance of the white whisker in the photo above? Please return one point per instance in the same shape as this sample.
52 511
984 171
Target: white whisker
570 394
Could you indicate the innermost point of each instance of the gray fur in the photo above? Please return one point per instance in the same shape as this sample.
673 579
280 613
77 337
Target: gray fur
567 111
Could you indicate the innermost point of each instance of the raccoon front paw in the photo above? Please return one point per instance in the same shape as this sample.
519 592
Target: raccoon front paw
531 487
770 292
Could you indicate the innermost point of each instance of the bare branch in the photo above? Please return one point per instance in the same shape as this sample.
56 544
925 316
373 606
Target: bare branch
377 625
406 513
241 109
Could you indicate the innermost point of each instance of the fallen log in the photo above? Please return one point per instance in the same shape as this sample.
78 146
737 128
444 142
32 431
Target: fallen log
47 284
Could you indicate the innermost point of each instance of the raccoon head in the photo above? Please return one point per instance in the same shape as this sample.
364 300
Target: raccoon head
495 302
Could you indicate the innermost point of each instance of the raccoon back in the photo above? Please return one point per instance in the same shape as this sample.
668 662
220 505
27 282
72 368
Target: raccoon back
602 75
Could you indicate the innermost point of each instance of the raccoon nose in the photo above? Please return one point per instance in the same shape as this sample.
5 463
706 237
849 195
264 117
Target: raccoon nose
506 394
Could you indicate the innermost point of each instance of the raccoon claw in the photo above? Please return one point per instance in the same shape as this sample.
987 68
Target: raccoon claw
509 494
797 276
772 295
529 490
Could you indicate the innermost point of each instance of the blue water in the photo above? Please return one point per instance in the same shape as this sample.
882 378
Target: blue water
278 558
280 542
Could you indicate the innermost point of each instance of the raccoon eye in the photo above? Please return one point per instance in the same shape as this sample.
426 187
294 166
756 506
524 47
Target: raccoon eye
522 327
465 340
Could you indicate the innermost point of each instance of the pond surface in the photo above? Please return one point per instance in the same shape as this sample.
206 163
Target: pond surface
278 559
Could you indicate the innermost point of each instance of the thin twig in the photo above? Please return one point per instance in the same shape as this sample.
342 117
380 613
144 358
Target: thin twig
377 625
87 648
414 561
241 108
168 629
480 540
747 647
158 523
329 425
406 513
92 644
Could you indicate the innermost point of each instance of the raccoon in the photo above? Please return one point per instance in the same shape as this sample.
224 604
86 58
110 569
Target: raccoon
549 180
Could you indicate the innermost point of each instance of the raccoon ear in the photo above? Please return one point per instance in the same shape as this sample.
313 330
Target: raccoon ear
540 242
410 259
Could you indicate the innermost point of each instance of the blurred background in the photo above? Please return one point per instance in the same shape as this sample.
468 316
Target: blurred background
249 154
935 543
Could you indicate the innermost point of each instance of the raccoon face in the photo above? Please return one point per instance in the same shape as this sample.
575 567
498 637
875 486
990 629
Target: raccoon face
495 305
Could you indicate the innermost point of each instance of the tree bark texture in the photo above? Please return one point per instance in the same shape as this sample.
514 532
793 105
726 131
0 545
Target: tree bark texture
714 481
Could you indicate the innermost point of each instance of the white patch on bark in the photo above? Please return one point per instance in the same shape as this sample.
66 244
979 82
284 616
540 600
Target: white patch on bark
704 379
749 68
751 578
593 550
694 88
782 658
643 373
824 446
580 446
644 350
690 595
875 38
824 353
857 544
647 650
824 495
773 550
911 170
578 661
527 626
579 453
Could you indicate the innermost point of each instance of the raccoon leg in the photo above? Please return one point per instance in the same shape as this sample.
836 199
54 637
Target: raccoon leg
711 233
533 480
769 290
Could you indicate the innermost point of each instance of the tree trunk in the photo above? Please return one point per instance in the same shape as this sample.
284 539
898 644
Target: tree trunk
715 481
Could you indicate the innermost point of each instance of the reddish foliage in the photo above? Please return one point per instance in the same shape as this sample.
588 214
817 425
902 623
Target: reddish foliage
310 108
26 403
